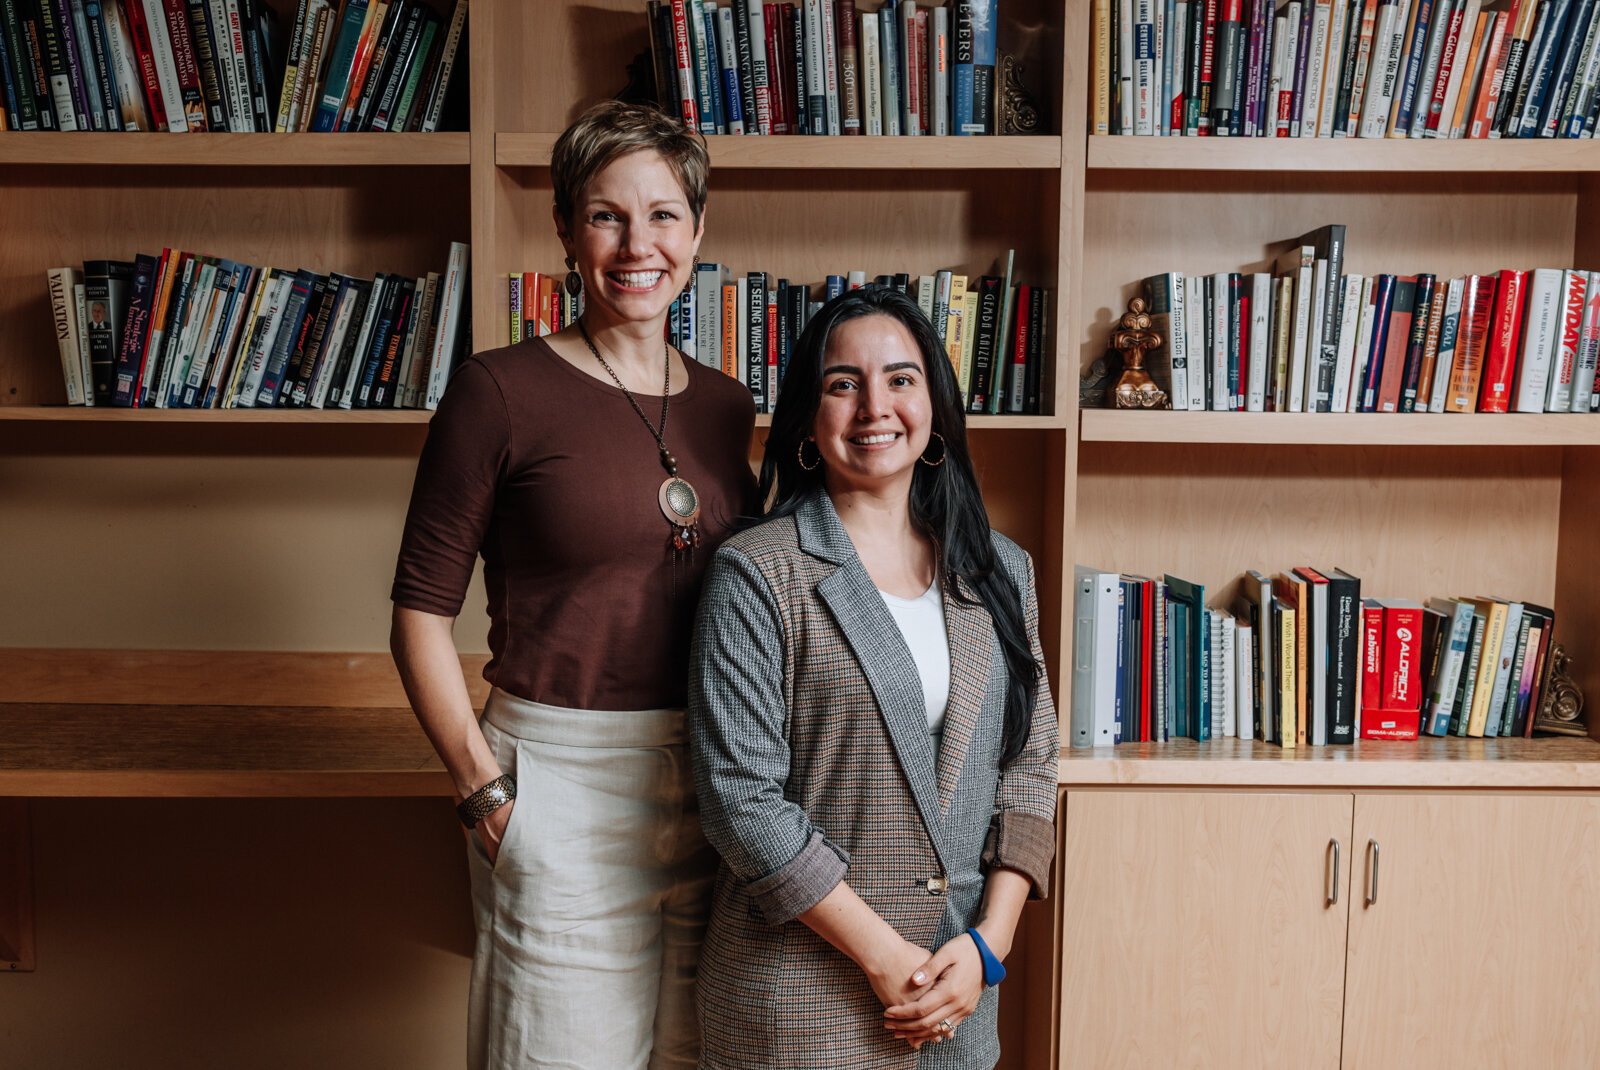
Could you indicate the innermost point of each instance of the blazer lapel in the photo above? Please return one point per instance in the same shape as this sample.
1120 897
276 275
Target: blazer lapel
881 651
971 637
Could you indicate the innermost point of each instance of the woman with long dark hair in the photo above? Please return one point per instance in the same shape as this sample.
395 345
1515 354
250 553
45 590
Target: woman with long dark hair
873 737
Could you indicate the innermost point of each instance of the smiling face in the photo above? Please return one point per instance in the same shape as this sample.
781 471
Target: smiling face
634 239
875 414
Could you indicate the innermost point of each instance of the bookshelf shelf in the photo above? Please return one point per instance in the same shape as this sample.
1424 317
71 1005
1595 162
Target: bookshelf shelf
320 417
1340 429
234 150
1544 763
982 423
1386 156
833 153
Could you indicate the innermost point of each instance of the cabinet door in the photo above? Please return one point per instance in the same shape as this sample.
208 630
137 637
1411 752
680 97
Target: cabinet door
1197 930
1483 945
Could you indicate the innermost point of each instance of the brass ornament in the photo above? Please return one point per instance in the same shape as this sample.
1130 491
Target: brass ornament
1133 338
1095 381
1561 712
1019 114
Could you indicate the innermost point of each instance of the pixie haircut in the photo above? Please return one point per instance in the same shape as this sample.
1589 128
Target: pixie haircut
613 129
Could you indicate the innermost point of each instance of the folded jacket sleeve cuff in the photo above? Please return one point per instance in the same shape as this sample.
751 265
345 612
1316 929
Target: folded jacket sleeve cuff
1024 842
801 883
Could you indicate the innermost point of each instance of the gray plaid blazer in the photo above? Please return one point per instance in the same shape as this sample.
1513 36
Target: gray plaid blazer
814 764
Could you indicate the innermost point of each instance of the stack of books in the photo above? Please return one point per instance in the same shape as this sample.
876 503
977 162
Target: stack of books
1299 659
188 331
220 65
822 67
1346 68
1311 338
994 332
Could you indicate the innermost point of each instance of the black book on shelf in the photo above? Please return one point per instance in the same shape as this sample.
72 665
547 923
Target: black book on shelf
106 284
985 344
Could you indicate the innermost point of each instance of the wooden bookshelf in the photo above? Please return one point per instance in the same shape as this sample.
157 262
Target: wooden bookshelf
77 414
833 153
80 149
1340 429
1372 155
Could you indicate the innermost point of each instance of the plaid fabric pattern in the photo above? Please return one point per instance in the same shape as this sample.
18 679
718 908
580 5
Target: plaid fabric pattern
814 764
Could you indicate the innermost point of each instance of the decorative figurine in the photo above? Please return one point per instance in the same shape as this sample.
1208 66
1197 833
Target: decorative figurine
1133 338
1562 709
1096 381
1019 114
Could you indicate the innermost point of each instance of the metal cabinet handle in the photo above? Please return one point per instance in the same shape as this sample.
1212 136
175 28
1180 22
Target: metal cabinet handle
1333 877
1372 872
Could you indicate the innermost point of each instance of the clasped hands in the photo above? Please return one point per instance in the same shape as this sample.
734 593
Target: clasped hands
919 991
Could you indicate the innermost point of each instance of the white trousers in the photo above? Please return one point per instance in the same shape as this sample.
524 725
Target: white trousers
591 919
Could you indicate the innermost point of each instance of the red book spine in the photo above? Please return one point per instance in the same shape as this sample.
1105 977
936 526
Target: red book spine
1500 362
1208 51
772 348
1390 724
1244 345
1402 658
1372 655
779 84
1147 591
680 47
924 109
1019 348
1451 53
133 15
194 104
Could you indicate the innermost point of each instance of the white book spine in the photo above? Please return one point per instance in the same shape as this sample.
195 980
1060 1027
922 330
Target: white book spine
226 83
243 122
200 363
830 61
1448 336
338 332
166 66
741 326
1173 59
445 342
225 360
1300 339
1280 47
1159 92
1316 68
1179 330
1319 302
760 73
1333 66
266 338
80 324
238 353
1244 688
1221 398
1107 592
1588 348
1349 328
939 72
1195 327
1541 337
1358 363
1558 357
64 311
1289 34
728 55
871 77
352 377
1144 67
1260 341
1385 66
1125 97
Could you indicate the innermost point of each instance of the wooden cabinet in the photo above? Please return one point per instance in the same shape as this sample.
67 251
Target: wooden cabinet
1481 946
1198 929
1195 927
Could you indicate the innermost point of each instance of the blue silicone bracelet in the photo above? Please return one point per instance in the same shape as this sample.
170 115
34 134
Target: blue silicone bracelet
994 971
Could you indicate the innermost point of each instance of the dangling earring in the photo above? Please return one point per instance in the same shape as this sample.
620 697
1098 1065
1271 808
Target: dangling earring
574 281
924 457
801 452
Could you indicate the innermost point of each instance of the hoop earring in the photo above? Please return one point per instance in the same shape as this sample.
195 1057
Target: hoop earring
942 451
801 455
574 281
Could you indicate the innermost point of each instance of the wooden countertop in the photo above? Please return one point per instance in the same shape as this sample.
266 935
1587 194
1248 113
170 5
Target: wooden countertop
1553 763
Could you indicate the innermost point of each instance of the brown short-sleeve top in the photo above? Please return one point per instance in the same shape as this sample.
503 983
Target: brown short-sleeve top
552 478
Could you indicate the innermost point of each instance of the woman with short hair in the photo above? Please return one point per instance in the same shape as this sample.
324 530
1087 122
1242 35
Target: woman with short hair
874 741
595 471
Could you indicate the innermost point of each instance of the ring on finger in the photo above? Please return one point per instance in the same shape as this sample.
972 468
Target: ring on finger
946 1027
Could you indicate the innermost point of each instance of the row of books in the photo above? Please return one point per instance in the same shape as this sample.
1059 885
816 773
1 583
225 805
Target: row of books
368 65
1299 659
188 331
220 65
1312 338
820 67
993 332
1346 68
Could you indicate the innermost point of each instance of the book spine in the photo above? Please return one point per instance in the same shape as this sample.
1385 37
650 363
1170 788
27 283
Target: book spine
1372 645
440 86
871 77
939 73
684 57
985 340
705 85
761 87
1561 351
1417 343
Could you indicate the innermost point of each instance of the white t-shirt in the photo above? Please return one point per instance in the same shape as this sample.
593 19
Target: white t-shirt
921 621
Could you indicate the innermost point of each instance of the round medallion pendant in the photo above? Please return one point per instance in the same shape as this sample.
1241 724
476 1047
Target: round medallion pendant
679 502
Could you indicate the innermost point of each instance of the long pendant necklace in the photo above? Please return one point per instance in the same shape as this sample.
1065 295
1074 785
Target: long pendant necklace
679 502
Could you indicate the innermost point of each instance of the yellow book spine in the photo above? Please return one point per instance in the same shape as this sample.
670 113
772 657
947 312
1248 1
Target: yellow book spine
969 318
1288 728
730 330
955 330
1494 632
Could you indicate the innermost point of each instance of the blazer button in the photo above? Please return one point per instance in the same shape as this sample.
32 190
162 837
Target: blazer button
937 885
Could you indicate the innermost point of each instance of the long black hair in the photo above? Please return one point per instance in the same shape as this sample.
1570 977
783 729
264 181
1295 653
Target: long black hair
945 502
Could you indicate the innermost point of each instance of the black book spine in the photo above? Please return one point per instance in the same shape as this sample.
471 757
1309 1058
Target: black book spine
1235 339
253 18
382 328
382 59
297 352
1344 657
352 339
35 49
299 389
404 59
783 332
294 315
1038 321
24 72
80 59
57 73
1332 301
135 332
1208 317
384 389
756 337
1417 343
984 343
105 76
205 59
797 40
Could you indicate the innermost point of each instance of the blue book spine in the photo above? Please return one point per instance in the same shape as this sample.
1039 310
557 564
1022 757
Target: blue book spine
889 62
338 68
1382 300
1541 69
1414 61
985 15
720 21
1565 69
1122 661
961 84
1202 723
705 80
835 286
294 315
